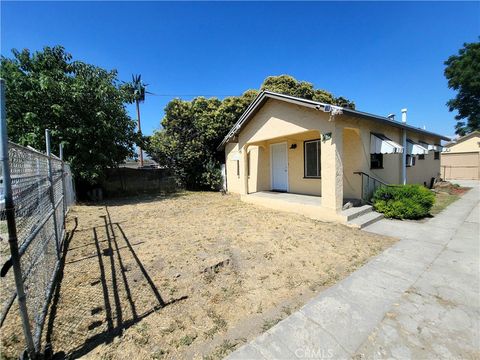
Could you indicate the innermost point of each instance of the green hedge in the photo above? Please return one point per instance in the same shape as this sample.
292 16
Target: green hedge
403 201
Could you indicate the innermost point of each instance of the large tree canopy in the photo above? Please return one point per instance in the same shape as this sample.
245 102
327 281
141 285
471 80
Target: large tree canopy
192 130
81 104
286 84
463 75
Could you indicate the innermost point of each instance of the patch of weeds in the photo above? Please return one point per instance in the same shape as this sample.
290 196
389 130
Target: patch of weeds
186 340
159 354
209 277
142 330
324 282
286 310
209 333
228 292
176 324
219 323
225 348
259 308
173 290
268 255
267 324
291 284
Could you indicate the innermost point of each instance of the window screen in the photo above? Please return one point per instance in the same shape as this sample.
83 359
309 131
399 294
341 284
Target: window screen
376 161
312 159
410 160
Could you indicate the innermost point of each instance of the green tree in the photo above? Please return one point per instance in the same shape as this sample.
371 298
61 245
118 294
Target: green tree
192 130
136 90
81 104
184 144
463 74
286 84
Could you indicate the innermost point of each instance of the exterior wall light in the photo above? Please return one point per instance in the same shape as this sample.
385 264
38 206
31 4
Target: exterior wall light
293 146
326 136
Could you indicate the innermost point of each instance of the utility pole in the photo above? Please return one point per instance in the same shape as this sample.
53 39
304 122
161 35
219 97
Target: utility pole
140 152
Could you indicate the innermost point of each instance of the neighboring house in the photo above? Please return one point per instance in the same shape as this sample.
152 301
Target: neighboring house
287 144
461 158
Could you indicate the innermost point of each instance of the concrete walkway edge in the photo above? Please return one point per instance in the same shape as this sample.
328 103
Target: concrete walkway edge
424 282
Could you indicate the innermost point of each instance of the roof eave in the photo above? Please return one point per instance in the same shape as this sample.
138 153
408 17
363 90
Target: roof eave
264 95
392 123
261 98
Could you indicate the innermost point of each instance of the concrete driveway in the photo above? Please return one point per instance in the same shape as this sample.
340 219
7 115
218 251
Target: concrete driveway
418 299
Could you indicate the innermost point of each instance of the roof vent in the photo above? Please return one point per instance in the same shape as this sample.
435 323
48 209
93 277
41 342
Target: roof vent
391 117
404 116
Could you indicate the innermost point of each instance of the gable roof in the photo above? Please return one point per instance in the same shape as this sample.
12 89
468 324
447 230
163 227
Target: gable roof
463 138
263 96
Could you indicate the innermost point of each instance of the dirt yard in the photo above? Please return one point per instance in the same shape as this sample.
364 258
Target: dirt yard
189 276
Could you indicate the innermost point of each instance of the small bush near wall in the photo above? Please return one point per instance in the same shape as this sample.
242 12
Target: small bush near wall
403 201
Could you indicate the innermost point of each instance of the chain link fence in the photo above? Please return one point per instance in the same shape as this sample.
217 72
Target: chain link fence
36 190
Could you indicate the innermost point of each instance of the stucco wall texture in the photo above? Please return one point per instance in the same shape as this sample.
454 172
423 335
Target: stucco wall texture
462 160
346 152
468 145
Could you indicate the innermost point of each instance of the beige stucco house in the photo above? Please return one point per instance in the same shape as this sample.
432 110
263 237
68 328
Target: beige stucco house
461 158
317 156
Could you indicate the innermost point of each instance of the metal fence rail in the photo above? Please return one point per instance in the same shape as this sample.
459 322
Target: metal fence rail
369 186
36 190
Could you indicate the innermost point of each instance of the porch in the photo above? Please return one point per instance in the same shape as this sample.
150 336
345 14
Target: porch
311 206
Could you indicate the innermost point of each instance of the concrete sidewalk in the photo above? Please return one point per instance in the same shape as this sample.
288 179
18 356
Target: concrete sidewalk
418 299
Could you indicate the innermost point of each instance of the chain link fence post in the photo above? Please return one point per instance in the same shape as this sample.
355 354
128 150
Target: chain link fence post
52 191
64 190
12 228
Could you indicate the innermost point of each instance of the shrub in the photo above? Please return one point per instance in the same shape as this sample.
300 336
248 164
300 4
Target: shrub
403 201
211 177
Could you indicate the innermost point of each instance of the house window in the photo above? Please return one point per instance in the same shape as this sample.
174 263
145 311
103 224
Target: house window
410 160
238 168
312 155
436 155
421 157
376 161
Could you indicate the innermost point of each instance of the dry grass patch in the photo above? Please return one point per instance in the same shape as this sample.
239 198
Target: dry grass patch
191 276
446 193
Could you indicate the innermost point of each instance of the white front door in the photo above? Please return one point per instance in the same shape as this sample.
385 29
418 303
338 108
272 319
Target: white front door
279 163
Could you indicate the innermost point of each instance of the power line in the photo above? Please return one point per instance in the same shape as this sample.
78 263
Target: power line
190 95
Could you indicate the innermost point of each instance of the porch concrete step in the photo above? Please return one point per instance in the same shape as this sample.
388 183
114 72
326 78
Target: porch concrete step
355 212
365 220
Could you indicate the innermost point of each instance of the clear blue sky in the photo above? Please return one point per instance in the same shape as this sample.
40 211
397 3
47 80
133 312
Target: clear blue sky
383 55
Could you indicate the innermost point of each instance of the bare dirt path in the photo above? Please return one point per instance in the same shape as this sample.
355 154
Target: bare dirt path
193 275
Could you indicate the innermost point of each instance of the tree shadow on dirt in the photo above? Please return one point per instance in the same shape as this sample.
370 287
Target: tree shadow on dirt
103 289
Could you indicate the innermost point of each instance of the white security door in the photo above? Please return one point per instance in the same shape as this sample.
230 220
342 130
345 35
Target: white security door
279 166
